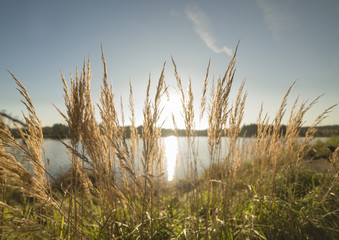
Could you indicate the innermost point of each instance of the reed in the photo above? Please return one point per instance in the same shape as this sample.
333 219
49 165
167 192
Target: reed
251 190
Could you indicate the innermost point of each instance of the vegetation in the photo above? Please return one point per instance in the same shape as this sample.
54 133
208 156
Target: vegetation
59 130
250 191
320 131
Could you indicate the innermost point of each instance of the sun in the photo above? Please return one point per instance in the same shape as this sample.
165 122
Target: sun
172 106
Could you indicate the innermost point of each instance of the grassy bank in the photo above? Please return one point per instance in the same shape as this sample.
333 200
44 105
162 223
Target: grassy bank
272 196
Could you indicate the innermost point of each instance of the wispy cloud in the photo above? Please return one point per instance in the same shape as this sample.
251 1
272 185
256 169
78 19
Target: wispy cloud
201 26
276 16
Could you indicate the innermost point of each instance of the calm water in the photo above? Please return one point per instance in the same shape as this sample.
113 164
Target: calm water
175 156
175 151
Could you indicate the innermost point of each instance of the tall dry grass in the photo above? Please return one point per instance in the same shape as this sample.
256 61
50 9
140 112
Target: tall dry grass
117 191
30 185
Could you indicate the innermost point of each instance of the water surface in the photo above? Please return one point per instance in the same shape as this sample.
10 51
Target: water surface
177 155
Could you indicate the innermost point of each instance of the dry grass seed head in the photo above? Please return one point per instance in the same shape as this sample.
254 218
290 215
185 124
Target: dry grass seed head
204 91
33 147
151 133
312 129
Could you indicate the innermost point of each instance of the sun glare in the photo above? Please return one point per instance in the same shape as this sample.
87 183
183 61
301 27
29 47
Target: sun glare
171 150
172 106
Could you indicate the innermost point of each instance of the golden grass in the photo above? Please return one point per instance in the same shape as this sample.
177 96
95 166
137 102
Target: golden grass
118 197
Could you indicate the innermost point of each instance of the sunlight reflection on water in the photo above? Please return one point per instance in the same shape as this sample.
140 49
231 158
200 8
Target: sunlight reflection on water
171 151
176 151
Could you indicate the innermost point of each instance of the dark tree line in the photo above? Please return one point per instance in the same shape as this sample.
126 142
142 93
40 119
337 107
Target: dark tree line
61 131
322 131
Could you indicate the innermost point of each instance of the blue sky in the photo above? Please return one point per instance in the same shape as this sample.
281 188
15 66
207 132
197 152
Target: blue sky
281 41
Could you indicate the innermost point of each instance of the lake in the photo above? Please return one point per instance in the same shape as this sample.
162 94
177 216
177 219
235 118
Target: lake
175 151
175 156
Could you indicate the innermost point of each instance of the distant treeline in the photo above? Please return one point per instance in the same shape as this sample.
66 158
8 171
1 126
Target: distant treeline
61 131
56 131
322 131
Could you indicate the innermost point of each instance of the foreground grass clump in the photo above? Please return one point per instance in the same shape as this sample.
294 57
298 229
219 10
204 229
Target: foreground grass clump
255 190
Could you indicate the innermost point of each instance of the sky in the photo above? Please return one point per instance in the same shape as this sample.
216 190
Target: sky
280 42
